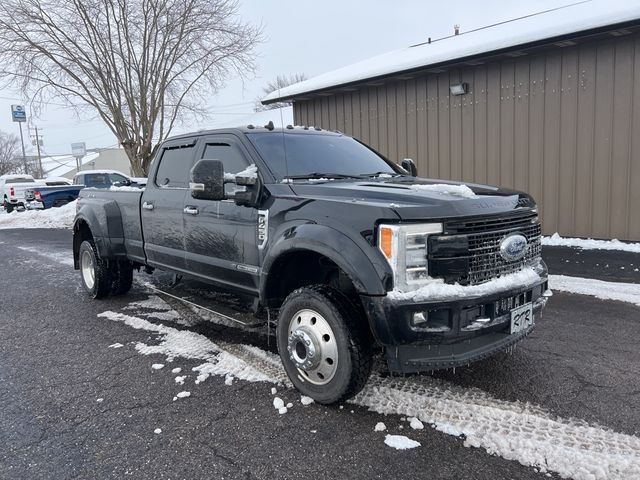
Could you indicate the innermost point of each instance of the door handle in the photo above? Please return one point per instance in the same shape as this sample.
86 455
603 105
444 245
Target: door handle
190 210
147 206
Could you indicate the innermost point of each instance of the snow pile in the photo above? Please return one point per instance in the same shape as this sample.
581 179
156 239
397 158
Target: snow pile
400 442
456 190
513 430
250 172
218 360
380 427
59 217
622 292
556 240
440 291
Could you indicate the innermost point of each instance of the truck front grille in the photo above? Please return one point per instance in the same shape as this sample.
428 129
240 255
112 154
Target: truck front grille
479 259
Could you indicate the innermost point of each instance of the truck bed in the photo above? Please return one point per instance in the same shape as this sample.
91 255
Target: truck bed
120 209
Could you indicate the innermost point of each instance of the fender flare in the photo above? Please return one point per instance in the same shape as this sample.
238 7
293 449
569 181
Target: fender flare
105 223
369 275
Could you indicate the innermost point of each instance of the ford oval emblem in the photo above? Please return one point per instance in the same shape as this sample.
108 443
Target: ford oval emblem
513 247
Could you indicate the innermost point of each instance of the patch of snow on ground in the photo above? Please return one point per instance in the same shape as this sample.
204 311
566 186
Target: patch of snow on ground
191 345
278 403
415 423
456 190
182 395
273 390
400 442
115 345
59 217
65 258
228 380
157 431
306 400
380 427
180 380
622 292
152 303
440 291
157 366
556 240
512 430
176 370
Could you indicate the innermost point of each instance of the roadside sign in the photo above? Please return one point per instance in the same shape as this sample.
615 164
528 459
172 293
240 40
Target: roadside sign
18 113
79 149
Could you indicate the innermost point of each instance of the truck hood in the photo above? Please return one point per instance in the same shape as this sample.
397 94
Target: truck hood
416 198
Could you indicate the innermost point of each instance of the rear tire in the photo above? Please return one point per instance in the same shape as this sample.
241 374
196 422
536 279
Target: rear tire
122 277
95 274
324 344
8 207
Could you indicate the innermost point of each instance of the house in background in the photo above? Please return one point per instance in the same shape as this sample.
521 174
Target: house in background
99 158
548 104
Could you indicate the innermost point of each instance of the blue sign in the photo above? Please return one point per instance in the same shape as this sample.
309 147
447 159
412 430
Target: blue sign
18 113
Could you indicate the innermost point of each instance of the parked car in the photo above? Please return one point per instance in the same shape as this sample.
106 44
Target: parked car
104 179
41 197
12 188
344 249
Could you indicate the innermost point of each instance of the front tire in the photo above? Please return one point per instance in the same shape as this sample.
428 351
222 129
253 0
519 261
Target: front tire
95 274
324 344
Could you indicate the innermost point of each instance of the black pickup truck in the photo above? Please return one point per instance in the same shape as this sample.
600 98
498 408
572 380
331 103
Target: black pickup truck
349 252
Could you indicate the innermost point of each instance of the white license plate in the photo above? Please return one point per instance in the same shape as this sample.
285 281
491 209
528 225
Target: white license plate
521 318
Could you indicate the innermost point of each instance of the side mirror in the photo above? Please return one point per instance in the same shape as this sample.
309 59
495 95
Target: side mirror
207 180
410 167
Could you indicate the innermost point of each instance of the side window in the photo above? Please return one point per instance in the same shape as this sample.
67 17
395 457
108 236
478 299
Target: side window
174 167
115 178
77 180
230 156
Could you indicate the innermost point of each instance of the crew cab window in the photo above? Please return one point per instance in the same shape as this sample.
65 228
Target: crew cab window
115 178
99 180
174 167
230 156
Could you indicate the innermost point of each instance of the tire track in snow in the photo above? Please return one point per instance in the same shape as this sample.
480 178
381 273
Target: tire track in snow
513 430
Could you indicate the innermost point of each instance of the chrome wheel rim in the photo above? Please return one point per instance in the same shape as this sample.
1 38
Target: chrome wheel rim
88 269
312 347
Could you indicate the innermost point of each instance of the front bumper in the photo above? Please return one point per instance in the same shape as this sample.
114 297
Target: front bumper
452 333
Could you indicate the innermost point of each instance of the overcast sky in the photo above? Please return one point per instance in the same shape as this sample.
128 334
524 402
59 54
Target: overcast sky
300 37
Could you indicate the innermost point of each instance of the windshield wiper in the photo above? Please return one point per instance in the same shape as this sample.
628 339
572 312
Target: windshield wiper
377 174
318 175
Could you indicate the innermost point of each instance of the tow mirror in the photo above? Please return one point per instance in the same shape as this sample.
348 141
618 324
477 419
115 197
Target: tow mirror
410 167
207 180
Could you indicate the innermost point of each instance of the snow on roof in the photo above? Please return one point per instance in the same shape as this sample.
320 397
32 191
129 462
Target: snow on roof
103 171
583 16
59 165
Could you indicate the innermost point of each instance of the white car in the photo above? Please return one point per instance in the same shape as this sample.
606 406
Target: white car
12 189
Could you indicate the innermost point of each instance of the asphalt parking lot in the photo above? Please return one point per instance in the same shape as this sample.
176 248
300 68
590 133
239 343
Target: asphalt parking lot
75 406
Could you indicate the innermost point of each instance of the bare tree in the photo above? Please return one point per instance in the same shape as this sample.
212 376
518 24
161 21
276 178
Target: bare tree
9 153
140 65
281 81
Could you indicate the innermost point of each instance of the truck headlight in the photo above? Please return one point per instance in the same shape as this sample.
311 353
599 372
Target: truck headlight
405 248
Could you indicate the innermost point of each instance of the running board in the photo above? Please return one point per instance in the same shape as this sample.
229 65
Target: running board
244 319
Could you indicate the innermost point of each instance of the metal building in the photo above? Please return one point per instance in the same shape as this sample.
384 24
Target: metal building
549 104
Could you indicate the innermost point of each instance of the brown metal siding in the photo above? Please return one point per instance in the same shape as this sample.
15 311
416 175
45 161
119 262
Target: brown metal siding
563 125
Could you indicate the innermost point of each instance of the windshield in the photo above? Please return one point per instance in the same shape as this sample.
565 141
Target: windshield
316 155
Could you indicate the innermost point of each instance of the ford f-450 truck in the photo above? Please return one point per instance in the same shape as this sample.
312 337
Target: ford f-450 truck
349 252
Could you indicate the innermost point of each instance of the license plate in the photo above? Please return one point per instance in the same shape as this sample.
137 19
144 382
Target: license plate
521 318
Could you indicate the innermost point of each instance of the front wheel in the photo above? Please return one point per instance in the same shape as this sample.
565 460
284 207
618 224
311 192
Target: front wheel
323 343
95 274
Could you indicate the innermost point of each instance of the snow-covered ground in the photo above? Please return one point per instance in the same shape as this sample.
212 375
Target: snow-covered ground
513 430
622 292
556 240
60 217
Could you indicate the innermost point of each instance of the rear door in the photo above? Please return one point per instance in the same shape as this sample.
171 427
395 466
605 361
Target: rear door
163 203
220 236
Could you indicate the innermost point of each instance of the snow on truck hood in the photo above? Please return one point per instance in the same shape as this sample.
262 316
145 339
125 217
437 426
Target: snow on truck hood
413 200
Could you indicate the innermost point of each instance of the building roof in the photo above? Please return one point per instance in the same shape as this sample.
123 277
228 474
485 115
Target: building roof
555 24
58 165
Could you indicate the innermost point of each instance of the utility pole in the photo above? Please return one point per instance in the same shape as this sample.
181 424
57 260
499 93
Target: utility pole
40 173
24 154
